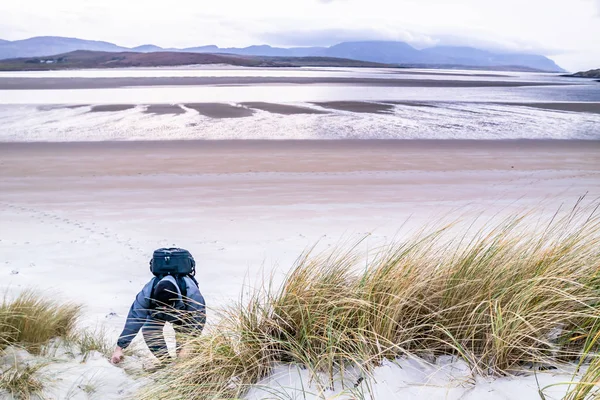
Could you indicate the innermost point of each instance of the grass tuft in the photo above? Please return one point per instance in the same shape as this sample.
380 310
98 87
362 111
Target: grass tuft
499 298
30 321
22 382
86 341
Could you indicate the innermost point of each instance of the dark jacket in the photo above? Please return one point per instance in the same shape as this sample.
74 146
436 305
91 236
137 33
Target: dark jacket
141 310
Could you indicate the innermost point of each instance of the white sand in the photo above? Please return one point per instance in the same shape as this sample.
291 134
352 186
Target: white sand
412 378
68 374
80 221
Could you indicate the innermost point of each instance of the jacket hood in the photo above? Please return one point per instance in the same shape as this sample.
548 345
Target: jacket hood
169 278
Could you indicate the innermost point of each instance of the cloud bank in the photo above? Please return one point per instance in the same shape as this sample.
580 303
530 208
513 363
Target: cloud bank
565 30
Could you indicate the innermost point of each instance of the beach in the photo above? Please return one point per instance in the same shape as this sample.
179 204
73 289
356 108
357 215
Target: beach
80 220
247 206
250 172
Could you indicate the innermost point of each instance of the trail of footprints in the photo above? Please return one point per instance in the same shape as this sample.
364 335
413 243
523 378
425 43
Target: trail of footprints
60 222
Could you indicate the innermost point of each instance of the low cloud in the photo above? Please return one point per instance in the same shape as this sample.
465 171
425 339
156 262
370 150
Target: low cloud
496 44
329 37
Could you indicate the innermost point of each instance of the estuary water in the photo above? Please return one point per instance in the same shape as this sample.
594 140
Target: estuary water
322 103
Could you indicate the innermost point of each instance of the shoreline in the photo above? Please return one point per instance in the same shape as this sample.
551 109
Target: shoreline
121 82
276 142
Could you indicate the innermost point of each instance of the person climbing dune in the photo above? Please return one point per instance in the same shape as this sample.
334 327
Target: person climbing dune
172 296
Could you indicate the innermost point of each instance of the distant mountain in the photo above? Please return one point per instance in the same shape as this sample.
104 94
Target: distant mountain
387 52
483 58
202 49
377 51
49 45
263 50
593 73
147 48
305 51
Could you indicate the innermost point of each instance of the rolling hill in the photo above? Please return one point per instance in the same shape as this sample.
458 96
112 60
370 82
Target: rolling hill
82 59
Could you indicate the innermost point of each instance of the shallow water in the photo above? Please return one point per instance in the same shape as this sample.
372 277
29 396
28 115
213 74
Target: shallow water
447 113
274 72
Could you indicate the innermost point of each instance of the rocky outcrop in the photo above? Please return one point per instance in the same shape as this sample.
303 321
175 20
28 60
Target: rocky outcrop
593 73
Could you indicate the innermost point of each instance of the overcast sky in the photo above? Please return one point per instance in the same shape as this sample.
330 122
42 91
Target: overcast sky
566 31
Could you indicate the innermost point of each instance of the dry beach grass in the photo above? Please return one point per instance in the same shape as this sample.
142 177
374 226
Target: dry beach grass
523 293
31 321
42 352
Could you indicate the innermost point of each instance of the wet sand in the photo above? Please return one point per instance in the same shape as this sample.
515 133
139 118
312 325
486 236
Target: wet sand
103 83
412 103
435 73
50 107
593 108
246 109
220 110
357 106
112 107
283 109
164 109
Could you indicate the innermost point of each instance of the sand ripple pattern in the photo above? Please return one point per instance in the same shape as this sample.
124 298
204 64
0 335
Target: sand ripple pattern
429 120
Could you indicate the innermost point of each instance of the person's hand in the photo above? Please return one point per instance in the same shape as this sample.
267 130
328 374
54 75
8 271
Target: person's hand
117 355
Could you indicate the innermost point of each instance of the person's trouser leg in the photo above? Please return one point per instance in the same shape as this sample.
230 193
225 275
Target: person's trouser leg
180 331
154 337
184 330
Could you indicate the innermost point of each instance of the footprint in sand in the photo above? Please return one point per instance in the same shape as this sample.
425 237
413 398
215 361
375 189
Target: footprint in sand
43 216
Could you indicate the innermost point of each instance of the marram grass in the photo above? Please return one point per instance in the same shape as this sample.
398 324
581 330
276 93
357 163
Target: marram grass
498 299
30 321
22 382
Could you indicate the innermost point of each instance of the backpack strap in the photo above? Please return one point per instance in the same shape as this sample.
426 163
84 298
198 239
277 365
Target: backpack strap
193 278
180 279
154 283
182 286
